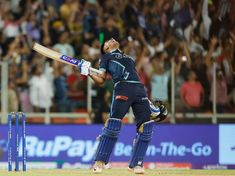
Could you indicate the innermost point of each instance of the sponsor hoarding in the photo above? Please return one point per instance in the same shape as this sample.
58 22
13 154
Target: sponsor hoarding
190 146
227 144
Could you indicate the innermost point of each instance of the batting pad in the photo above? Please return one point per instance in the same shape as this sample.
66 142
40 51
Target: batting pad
141 142
108 139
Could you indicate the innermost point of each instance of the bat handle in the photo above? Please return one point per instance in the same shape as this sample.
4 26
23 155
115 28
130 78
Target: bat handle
95 70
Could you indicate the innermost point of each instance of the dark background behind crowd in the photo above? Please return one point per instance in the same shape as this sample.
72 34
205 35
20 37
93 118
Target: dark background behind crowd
190 34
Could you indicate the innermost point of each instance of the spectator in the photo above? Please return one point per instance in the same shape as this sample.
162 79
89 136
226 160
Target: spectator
159 79
11 25
221 92
232 64
131 14
17 55
199 67
22 82
31 28
102 100
94 50
192 93
40 90
67 7
89 18
110 30
77 88
182 62
13 102
65 47
144 67
223 73
60 88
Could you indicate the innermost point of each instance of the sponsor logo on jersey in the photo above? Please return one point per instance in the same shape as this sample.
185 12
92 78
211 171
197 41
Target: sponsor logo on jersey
121 97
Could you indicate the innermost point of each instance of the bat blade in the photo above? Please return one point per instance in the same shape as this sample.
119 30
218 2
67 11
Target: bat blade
59 56
54 55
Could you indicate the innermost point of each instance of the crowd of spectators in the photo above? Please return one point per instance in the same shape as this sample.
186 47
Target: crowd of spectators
190 35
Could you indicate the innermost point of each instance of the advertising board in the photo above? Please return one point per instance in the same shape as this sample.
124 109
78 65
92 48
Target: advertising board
186 146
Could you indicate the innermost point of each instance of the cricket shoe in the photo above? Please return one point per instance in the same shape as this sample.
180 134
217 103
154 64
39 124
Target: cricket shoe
98 167
155 111
137 169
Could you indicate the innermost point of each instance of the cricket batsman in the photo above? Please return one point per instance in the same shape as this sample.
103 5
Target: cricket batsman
128 92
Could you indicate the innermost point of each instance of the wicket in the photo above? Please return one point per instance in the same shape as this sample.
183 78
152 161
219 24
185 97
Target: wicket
18 116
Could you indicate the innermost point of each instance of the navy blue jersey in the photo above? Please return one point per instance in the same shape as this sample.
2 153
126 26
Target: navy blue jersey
120 66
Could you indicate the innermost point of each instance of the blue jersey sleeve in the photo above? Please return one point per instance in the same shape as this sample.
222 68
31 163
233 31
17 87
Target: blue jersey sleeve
103 63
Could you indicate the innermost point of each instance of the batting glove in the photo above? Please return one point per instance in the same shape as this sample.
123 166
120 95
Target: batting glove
84 67
163 112
155 111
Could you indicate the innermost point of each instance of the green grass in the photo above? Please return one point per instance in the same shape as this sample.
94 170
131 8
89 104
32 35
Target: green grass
119 172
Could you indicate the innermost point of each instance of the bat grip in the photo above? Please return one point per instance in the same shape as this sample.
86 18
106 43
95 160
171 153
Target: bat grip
95 70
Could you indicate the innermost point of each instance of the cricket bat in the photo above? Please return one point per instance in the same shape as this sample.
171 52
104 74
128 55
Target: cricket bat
59 56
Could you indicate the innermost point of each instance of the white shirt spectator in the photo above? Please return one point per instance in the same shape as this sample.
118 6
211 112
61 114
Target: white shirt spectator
155 49
40 91
159 86
11 29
